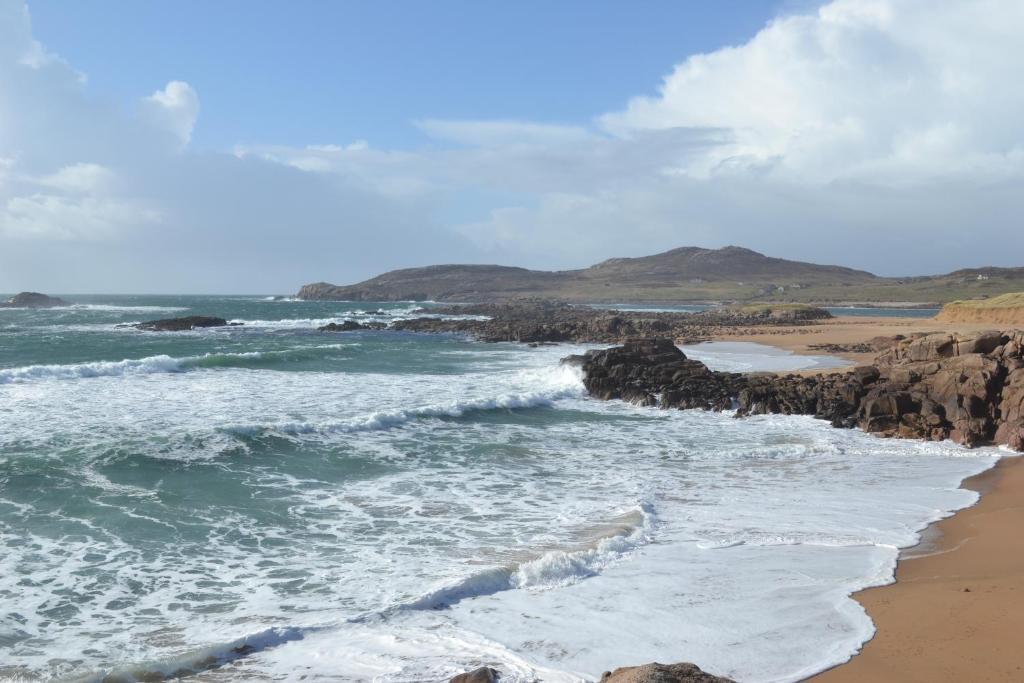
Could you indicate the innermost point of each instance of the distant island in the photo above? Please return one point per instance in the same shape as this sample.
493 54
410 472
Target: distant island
33 300
684 275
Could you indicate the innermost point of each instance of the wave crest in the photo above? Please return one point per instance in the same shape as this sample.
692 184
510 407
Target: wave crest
552 568
388 419
159 364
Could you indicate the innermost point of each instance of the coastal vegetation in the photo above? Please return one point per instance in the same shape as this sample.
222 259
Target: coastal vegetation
1005 309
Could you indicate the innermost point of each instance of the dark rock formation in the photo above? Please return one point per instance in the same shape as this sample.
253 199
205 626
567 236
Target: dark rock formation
484 674
33 300
662 673
543 321
967 388
191 322
350 326
344 326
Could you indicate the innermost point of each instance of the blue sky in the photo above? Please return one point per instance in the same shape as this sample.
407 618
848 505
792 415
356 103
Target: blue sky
307 72
256 146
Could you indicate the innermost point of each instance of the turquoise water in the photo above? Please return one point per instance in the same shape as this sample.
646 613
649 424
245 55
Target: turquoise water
265 500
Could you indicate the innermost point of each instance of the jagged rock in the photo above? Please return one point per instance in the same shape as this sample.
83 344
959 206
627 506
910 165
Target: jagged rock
662 673
191 322
484 674
33 300
969 389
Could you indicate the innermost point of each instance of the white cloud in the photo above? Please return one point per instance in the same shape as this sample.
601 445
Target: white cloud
80 177
875 133
878 91
174 108
57 217
503 133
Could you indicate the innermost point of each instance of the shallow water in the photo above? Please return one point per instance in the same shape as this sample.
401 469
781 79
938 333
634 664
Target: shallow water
401 507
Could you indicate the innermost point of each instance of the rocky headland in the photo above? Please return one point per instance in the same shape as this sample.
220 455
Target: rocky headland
33 300
686 274
967 388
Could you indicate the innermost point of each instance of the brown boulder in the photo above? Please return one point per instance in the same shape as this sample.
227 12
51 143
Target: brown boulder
484 674
662 673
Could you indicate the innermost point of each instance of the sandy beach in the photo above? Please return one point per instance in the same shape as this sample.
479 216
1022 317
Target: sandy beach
845 331
956 610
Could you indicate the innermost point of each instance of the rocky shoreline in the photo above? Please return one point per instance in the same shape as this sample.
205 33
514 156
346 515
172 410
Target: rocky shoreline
537 322
968 388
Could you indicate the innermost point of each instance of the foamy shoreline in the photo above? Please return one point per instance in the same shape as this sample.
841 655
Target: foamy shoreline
956 611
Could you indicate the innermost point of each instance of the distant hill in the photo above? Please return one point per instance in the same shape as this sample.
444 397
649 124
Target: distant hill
687 274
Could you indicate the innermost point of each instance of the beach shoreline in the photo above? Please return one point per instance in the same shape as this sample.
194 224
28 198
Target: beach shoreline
955 610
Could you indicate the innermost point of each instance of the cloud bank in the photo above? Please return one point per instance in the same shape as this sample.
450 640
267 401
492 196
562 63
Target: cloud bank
881 134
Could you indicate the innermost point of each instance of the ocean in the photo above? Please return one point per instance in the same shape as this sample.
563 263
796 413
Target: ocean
266 502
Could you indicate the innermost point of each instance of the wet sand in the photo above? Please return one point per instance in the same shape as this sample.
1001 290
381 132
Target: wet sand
956 611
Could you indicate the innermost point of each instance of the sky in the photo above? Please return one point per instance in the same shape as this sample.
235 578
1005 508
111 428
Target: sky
238 147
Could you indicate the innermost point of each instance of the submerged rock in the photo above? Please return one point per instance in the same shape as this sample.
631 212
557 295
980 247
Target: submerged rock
662 673
191 322
968 388
33 300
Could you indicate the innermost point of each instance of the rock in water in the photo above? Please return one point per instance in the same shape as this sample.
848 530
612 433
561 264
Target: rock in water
484 674
662 673
33 300
345 326
191 322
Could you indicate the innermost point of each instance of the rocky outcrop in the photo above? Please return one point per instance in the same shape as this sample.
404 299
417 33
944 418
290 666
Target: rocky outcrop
543 321
781 313
662 673
33 300
191 322
967 388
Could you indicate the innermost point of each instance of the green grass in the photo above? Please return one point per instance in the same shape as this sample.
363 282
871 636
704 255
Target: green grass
1008 300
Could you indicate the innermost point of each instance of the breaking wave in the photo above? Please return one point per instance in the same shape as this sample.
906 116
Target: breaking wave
553 568
388 419
160 364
